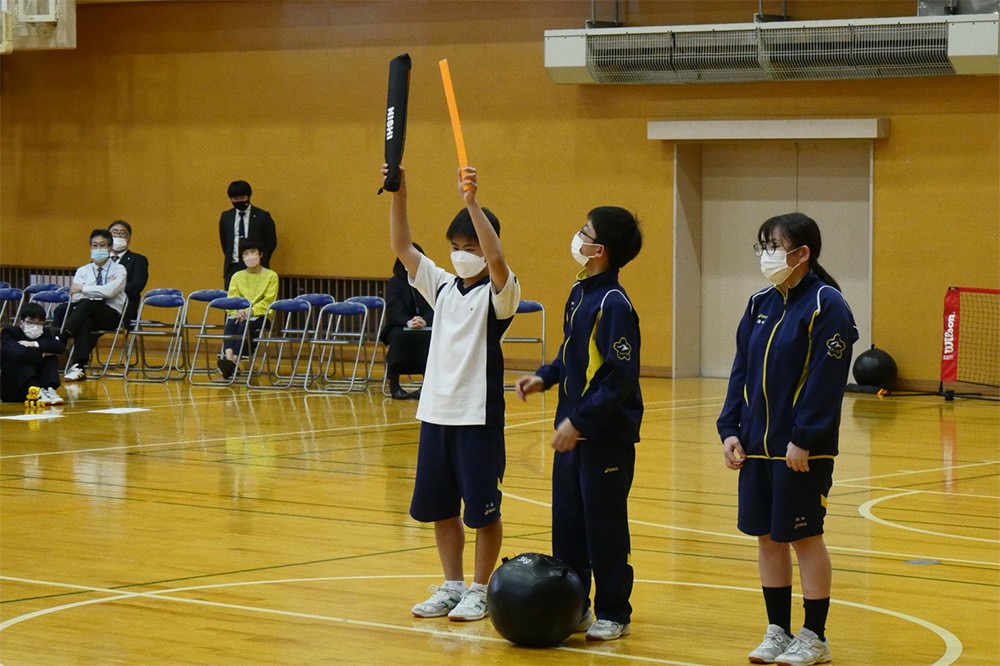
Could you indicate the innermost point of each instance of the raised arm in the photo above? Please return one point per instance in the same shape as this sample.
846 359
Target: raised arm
468 185
399 226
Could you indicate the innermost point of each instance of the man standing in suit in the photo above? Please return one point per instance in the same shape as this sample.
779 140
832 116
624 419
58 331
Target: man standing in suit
244 221
136 267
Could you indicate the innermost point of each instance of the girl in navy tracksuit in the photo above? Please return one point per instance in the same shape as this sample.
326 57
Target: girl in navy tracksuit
597 420
780 424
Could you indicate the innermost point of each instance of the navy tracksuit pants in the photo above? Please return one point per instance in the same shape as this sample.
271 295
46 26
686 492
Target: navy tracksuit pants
590 487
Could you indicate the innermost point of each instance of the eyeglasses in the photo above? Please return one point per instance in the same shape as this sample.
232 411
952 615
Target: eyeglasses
583 232
769 248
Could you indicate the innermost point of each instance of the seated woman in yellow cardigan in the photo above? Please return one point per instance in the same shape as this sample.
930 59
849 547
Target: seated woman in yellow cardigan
258 285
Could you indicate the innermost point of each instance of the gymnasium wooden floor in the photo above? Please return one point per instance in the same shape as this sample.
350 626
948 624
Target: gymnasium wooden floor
221 526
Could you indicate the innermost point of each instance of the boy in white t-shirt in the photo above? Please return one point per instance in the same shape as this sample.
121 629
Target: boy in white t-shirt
461 453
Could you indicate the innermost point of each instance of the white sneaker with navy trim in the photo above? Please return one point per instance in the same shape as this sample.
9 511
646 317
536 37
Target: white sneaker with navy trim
472 606
607 630
804 650
775 642
48 396
443 600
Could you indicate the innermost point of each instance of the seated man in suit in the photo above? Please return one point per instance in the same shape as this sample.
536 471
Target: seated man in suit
407 330
97 297
244 221
136 268
136 271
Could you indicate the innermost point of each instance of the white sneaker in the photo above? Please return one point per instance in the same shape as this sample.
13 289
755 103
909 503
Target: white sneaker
585 622
48 396
775 642
75 373
805 649
472 606
607 630
443 600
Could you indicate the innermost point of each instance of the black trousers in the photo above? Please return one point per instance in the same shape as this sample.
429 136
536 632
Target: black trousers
19 376
590 487
407 351
84 318
236 328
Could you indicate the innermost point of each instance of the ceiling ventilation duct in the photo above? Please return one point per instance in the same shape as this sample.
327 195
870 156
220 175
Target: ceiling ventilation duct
785 51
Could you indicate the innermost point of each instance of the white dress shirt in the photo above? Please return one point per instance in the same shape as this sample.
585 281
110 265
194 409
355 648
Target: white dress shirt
112 287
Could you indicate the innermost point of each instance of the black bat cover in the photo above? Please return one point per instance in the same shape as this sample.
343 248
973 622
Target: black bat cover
395 119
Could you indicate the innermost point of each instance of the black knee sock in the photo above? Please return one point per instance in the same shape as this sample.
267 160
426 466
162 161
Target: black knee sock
778 601
816 612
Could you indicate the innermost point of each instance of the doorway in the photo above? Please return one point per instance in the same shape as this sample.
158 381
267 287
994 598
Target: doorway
723 192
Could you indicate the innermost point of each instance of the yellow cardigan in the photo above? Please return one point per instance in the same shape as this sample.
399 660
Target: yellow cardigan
261 289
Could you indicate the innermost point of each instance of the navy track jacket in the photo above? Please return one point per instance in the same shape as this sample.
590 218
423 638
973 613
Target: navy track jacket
597 367
793 354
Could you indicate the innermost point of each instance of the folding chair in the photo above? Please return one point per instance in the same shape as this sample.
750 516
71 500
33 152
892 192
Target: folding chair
154 302
204 334
372 329
528 307
200 297
8 296
118 334
50 299
277 333
340 330
317 301
30 291
305 320
4 285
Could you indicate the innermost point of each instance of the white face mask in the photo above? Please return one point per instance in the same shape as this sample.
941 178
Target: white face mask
32 331
467 265
574 249
119 244
775 266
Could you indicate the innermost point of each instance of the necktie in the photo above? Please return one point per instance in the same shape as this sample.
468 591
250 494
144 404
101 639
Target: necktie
100 275
237 235
115 258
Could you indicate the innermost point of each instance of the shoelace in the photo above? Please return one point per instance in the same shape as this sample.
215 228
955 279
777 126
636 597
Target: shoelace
797 647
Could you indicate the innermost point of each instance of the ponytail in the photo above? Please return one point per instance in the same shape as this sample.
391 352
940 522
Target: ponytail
823 275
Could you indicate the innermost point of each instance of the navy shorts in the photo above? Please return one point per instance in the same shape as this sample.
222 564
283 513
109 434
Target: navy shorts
456 464
781 503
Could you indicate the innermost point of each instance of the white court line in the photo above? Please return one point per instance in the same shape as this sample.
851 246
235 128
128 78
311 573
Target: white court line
953 646
249 438
910 472
866 511
922 491
737 536
208 440
118 595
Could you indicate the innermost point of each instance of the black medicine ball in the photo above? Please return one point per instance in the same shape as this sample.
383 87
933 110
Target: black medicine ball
875 368
535 600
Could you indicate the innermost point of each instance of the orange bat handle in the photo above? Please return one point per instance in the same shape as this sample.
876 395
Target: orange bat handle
456 124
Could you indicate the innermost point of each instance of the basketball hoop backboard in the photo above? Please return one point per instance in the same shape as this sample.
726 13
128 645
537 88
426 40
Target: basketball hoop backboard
37 25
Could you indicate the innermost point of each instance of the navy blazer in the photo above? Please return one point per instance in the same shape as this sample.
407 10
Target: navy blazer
261 228
137 275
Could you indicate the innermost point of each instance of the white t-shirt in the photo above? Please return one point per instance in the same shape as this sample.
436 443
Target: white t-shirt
463 380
